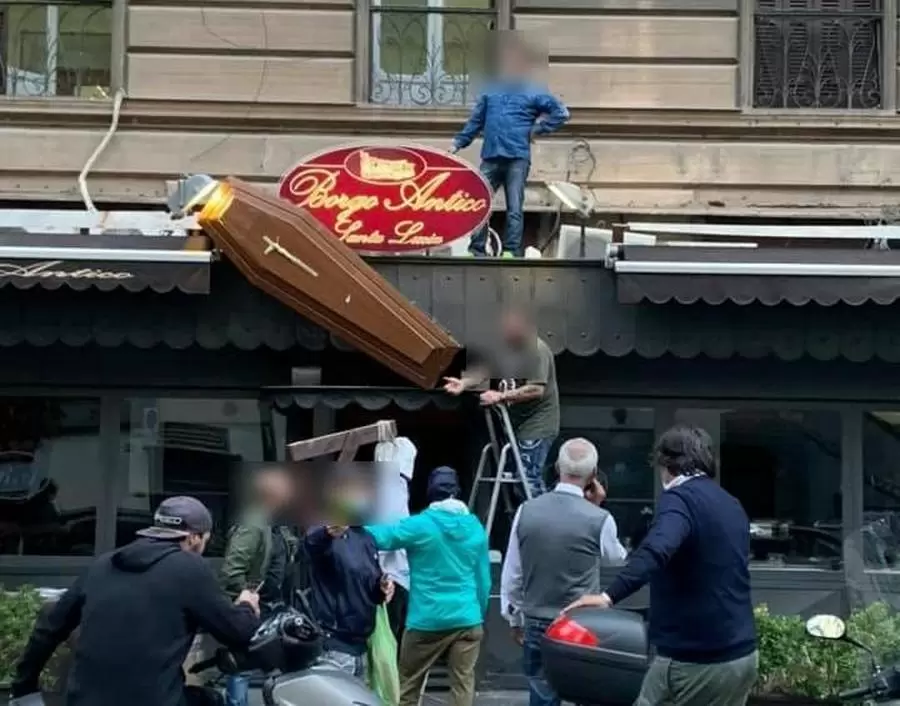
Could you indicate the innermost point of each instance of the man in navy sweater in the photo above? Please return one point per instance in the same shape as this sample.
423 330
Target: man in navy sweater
696 560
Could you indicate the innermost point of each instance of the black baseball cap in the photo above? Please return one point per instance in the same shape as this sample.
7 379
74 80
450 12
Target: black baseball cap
177 518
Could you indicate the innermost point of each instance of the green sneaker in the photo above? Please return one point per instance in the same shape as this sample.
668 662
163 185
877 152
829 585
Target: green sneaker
506 254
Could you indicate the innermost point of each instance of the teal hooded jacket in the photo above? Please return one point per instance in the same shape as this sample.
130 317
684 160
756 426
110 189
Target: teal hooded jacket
449 565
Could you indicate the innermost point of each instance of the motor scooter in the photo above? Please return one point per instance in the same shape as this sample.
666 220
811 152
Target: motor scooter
288 648
597 657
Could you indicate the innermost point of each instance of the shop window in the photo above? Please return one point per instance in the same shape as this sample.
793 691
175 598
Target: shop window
199 447
814 54
50 479
55 49
624 439
428 52
785 468
880 531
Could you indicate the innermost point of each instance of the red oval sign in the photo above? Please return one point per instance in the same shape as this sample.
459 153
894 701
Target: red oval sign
390 199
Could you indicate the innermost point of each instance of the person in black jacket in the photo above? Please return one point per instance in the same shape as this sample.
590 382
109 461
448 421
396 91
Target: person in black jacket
138 610
347 584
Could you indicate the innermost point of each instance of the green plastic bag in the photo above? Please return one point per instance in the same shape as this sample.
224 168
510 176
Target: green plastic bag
384 676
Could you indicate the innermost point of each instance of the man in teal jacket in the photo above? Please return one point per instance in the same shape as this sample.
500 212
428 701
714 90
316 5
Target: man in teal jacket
449 589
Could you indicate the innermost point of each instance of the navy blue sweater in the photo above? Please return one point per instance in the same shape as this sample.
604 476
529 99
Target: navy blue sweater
696 558
346 586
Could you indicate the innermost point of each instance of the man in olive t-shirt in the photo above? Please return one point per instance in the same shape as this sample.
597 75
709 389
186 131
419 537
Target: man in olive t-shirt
533 399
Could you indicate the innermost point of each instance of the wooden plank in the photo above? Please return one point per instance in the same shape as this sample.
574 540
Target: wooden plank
661 86
623 37
670 6
621 163
226 29
240 79
340 441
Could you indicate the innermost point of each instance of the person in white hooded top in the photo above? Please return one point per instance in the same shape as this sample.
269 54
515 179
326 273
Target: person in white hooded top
396 462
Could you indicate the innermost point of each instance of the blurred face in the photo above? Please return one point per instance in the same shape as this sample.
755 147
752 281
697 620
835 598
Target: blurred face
274 490
351 500
515 329
513 60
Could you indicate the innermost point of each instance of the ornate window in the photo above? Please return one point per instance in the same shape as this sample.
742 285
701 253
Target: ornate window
61 49
428 52
818 54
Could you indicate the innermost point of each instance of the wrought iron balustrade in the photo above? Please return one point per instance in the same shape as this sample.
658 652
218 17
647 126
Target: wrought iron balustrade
818 54
425 58
61 49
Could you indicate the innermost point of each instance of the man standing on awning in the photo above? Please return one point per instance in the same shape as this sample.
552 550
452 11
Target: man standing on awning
529 373
511 112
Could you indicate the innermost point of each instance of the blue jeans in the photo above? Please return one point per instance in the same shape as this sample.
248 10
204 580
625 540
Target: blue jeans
237 690
511 174
540 693
533 453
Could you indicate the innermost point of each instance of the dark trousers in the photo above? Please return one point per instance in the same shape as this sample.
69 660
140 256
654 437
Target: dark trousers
540 693
397 609
512 175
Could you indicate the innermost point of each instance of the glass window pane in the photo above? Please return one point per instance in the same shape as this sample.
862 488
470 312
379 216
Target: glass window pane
403 43
55 50
881 490
464 40
50 478
197 447
785 468
624 438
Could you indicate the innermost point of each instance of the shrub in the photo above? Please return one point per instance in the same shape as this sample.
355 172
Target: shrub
18 611
793 663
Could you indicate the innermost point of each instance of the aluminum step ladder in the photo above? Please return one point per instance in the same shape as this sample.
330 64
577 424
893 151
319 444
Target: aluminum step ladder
496 453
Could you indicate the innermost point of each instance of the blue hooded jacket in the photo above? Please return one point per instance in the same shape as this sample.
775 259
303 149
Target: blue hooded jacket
449 565
508 114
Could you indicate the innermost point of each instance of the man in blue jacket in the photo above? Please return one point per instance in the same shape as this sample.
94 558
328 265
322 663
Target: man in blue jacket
449 589
510 114
347 584
696 559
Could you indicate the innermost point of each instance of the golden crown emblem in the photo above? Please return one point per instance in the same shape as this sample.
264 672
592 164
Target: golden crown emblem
378 169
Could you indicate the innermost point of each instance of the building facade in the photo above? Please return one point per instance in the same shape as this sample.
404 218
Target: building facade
681 109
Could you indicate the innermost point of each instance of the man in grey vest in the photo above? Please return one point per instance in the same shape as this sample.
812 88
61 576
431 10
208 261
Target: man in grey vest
557 544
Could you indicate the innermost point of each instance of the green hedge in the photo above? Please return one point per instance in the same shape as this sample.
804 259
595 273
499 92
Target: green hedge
18 611
793 663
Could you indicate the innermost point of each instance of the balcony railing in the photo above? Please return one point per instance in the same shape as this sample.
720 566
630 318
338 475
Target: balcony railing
818 54
55 49
428 58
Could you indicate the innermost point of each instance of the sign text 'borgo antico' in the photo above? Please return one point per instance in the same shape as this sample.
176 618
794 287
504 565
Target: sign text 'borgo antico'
390 199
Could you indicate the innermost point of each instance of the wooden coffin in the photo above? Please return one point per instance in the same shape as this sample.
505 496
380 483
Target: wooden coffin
288 254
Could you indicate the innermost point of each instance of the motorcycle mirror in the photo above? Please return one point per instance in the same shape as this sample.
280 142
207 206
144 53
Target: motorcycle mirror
828 627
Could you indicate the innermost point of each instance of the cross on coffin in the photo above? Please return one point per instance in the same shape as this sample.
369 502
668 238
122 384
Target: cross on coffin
343 443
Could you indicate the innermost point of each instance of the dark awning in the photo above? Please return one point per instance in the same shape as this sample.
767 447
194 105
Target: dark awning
104 262
743 275
370 398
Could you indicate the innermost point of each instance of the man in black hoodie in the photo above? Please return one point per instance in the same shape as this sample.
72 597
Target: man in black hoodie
138 610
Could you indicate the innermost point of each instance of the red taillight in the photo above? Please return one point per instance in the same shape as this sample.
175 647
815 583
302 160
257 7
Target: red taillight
566 630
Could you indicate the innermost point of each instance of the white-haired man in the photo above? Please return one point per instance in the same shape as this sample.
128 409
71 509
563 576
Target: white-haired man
557 544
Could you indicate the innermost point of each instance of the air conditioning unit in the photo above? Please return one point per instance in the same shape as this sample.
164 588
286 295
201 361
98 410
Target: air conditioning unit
596 241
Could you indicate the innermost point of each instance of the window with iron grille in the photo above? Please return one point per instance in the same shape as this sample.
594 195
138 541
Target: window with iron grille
428 52
55 49
812 54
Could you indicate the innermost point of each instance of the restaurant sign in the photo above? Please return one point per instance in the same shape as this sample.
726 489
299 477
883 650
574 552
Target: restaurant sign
390 199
